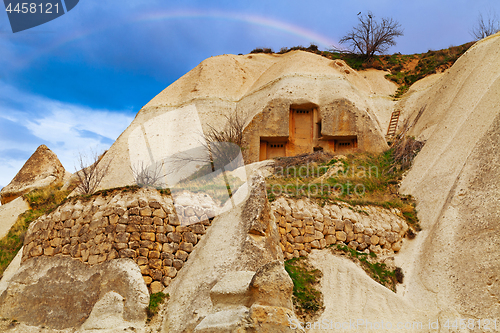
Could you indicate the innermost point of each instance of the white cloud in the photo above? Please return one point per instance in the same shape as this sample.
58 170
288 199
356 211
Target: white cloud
67 129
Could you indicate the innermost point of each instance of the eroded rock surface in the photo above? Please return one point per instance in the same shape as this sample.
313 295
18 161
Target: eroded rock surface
272 286
262 89
9 214
60 292
350 295
218 290
453 267
246 301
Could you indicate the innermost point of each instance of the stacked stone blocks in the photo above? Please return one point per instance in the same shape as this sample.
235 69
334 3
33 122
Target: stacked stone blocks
304 225
156 235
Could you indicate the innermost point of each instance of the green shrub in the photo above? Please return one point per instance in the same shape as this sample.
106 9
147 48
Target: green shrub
262 50
376 270
306 298
154 303
377 175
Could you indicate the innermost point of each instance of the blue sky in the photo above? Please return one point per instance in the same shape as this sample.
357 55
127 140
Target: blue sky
76 83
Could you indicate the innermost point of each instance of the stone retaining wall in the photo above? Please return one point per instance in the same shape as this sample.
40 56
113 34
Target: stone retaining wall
304 225
146 227
143 226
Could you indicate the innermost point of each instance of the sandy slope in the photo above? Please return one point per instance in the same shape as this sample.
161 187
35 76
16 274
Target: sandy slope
381 90
351 296
9 213
453 264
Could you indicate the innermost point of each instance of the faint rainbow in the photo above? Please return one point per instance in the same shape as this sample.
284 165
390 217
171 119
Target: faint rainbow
296 30
292 29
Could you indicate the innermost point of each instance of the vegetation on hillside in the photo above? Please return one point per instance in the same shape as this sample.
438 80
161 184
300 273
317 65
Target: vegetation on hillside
358 179
408 69
155 300
405 69
42 201
307 300
378 271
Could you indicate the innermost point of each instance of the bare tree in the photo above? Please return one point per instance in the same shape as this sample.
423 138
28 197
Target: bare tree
370 37
92 171
148 175
223 145
485 26
218 150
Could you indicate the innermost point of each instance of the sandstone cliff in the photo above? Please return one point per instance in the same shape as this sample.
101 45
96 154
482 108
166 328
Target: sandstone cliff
226 274
454 262
263 89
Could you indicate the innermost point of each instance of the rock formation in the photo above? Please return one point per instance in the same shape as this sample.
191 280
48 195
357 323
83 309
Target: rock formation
220 289
42 169
101 255
61 293
449 273
275 95
223 266
455 182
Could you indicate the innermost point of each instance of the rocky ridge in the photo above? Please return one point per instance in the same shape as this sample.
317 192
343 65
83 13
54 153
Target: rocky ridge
42 169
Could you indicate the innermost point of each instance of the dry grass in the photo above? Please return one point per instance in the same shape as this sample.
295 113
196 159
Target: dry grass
302 159
41 201
358 179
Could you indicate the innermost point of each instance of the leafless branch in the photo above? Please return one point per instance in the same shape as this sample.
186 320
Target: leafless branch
91 172
486 26
218 150
148 175
219 147
223 145
370 37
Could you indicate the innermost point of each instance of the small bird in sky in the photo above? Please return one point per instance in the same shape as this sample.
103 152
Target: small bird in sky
359 13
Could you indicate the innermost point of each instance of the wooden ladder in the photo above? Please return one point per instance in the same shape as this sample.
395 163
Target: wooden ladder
393 124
